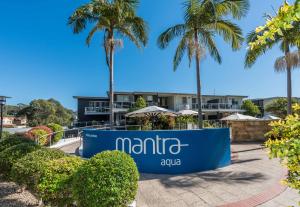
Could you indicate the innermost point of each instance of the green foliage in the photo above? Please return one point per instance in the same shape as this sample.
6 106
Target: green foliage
107 179
283 28
11 141
250 108
27 170
164 122
185 119
284 21
139 104
44 112
41 136
6 135
11 110
58 132
284 143
55 186
11 155
203 21
279 107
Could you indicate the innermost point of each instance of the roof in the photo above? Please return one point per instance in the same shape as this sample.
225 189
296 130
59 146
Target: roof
154 93
170 93
90 97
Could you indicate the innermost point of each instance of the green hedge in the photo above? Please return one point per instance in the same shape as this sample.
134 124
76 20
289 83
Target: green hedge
9 142
9 156
58 132
27 170
55 186
107 179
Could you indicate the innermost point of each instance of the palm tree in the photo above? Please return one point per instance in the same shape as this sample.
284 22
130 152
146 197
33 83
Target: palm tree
204 19
116 19
291 60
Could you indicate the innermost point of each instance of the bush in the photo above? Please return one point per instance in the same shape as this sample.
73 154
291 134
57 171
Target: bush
55 186
58 132
27 170
284 143
39 134
6 135
10 156
11 141
107 179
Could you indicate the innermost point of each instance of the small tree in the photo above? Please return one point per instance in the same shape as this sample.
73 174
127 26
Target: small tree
250 108
279 107
139 104
284 143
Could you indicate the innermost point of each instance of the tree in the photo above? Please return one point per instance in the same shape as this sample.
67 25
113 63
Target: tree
287 35
250 108
284 143
114 18
139 104
44 112
279 107
204 19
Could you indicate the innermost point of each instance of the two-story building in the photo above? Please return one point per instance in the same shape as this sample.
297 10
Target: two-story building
214 106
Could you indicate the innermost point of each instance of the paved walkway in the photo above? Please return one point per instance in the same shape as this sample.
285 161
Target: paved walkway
251 180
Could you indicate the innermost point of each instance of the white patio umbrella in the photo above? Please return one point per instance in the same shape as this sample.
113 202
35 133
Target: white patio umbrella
152 112
187 112
270 117
238 116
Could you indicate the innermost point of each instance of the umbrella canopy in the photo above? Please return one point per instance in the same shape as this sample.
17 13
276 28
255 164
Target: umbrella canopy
238 116
270 117
187 112
151 111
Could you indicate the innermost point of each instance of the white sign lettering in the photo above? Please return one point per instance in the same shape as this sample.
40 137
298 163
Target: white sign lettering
160 146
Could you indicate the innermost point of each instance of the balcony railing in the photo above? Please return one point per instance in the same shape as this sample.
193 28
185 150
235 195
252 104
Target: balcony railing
104 109
217 106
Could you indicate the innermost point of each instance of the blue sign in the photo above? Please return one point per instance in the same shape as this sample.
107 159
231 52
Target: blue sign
165 152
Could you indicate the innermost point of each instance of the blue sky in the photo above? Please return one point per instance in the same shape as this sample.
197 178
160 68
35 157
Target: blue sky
41 58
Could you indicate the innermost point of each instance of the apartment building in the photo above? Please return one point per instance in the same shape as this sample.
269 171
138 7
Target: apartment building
213 106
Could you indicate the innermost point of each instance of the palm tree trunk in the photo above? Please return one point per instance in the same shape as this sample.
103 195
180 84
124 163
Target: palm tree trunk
111 82
199 101
289 81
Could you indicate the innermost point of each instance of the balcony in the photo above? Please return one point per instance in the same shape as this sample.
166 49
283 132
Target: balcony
225 107
124 106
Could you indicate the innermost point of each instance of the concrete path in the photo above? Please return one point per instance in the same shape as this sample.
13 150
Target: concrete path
252 180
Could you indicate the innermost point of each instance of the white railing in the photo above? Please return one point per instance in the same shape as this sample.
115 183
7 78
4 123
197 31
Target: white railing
217 106
128 105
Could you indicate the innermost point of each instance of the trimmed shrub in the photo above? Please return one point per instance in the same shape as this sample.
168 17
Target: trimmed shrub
58 132
10 156
27 170
39 134
107 179
9 142
55 186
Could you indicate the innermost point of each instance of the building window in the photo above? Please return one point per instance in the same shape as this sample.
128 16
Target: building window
184 100
122 98
149 98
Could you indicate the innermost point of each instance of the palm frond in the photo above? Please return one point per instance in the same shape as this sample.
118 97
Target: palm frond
236 8
179 52
80 18
167 36
230 32
139 29
91 34
208 41
293 59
